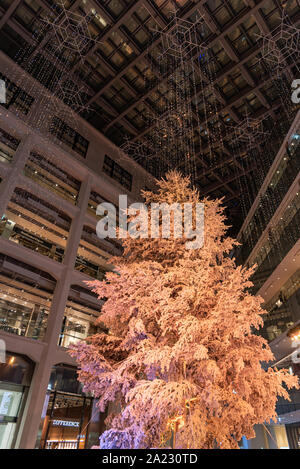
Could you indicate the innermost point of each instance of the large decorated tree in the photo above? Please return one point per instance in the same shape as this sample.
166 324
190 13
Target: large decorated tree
180 355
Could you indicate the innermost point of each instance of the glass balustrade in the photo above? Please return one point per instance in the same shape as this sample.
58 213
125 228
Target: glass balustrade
8 146
278 250
89 268
24 308
279 185
47 174
36 225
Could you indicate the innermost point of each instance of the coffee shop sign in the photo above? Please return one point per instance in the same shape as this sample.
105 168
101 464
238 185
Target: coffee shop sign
65 423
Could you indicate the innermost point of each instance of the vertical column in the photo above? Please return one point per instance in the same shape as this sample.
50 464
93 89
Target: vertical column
77 225
56 313
31 419
9 183
33 411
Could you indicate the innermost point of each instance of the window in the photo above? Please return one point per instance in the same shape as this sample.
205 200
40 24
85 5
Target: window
69 136
116 172
16 97
8 146
44 172
15 376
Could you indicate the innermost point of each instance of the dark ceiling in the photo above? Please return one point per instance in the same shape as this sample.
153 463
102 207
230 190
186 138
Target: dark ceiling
121 82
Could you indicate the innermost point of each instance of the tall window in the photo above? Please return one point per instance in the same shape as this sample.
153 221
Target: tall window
116 172
69 136
8 146
16 97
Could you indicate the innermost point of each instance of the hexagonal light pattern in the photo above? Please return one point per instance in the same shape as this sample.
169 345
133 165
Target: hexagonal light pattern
249 131
180 37
281 44
71 31
71 94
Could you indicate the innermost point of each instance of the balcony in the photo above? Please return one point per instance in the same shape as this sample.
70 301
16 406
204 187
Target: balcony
8 147
276 249
36 225
81 312
24 302
284 176
49 175
89 268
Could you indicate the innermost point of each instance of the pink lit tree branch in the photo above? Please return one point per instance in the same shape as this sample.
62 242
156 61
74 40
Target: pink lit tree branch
180 353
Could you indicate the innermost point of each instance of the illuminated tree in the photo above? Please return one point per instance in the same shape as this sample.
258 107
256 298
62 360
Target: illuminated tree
180 353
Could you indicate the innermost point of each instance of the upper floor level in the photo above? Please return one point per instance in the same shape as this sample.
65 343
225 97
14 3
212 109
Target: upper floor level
68 133
276 187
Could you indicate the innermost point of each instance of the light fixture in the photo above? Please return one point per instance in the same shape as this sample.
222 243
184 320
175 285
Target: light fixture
11 360
294 333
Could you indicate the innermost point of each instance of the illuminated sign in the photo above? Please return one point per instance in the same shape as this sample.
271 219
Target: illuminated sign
65 423
5 402
2 351
2 92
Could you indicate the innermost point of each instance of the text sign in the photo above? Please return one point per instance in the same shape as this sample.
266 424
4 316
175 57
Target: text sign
65 423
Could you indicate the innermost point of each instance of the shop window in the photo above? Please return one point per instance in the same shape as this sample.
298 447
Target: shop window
67 422
15 377
10 402
64 379
15 370
293 435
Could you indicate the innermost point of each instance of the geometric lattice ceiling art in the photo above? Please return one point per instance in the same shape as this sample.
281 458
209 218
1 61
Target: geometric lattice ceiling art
182 84
71 31
70 38
170 140
281 45
180 37
67 100
173 124
250 132
137 150
71 93
279 53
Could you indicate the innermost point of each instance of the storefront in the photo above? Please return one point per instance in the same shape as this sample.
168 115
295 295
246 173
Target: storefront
66 421
15 378
70 419
293 434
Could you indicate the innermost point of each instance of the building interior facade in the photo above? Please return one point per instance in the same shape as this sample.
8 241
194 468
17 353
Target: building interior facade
88 115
